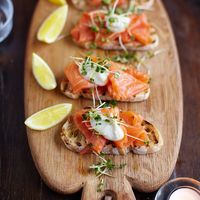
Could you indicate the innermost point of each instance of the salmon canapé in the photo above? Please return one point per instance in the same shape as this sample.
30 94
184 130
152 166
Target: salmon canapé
93 77
107 129
108 30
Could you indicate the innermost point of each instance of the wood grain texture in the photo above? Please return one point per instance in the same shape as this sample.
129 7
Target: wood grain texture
65 171
19 178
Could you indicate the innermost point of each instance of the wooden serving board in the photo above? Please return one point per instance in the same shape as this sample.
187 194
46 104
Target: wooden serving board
67 172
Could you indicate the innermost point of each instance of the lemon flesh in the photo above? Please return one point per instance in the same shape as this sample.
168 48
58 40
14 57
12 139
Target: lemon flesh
58 2
48 117
53 25
43 73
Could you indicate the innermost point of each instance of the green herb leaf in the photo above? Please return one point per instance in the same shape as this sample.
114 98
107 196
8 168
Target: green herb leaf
113 19
95 28
146 142
132 37
113 103
89 53
92 80
150 54
100 185
107 120
119 11
107 2
117 74
92 46
126 57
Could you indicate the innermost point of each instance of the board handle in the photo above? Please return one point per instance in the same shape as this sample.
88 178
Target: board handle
117 191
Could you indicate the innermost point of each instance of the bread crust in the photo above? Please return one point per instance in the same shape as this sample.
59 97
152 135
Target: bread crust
128 47
76 142
67 91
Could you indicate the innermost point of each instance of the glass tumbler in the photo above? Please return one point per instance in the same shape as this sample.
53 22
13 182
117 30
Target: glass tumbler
6 18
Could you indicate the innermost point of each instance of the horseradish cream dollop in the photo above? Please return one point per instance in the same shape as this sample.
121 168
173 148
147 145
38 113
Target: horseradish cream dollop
117 23
107 127
94 72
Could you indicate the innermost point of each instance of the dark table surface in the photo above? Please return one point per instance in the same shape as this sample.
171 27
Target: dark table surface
19 179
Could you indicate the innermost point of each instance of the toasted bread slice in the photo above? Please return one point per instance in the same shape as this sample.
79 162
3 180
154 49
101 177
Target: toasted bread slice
75 141
128 47
72 138
83 5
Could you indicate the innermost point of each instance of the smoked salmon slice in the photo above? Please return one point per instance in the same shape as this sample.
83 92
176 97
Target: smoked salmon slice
97 142
77 82
125 86
82 32
138 75
135 128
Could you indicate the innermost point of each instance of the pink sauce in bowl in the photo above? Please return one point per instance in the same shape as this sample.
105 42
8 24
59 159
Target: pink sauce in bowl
185 194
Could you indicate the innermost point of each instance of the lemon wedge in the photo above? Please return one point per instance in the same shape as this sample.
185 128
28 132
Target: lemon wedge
48 117
53 25
58 2
43 73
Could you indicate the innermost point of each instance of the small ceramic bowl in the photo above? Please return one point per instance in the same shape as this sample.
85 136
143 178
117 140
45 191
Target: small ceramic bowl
170 187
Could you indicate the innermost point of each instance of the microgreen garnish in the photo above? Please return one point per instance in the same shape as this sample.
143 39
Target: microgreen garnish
106 40
132 37
119 11
92 114
89 53
84 116
150 54
126 57
92 80
113 19
100 185
92 45
146 142
134 9
95 28
116 75
107 2
134 57
111 103
139 11
104 166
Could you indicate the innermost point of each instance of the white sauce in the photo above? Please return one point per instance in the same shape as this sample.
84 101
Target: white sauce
100 79
109 130
117 23
185 194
